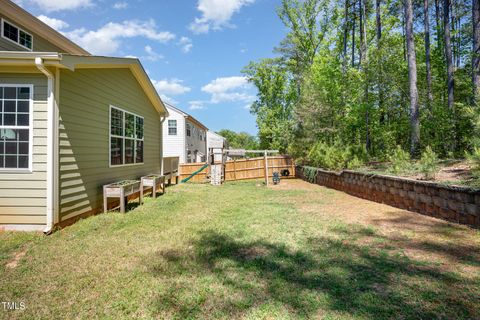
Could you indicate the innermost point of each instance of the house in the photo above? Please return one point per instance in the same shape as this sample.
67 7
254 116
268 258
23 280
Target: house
70 123
185 138
216 142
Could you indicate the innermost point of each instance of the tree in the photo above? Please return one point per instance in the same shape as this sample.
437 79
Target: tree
275 98
240 140
427 53
412 79
302 42
369 96
476 50
448 52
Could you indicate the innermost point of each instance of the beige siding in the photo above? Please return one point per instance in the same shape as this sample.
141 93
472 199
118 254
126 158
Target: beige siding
23 195
39 44
85 99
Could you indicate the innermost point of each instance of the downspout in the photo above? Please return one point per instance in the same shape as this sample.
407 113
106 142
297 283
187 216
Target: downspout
162 120
50 144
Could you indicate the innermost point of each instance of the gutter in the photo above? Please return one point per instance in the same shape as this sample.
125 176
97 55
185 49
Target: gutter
162 120
39 62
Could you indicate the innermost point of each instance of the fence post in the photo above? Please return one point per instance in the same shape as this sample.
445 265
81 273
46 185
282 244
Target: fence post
265 160
235 169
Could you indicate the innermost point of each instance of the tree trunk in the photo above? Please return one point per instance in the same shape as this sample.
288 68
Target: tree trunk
438 25
404 44
353 34
412 78
453 31
362 43
458 37
427 54
476 50
378 19
363 66
345 37
448 51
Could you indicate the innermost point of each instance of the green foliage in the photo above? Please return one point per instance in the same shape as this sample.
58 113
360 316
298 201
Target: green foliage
429 163
310 173
274 104
336 156
355 163
400 161
318 89
240 140
474 160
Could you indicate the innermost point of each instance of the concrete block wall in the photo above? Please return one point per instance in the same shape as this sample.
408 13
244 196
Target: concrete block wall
456 204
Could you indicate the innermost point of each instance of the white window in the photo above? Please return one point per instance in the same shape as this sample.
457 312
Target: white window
126 137
16 132
15 34
172 127
189 132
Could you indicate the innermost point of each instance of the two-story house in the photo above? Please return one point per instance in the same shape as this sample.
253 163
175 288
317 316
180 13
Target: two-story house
70 122
185 138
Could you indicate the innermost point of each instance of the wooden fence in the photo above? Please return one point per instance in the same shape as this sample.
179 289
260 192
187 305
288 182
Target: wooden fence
242 169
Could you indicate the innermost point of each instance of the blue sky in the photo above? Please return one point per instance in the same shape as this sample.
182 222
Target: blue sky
193 51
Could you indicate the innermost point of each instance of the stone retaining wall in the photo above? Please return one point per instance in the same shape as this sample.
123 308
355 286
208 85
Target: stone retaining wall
456 204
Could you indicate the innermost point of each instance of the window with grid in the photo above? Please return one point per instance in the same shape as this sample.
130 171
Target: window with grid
16 35
15 126
189 133
126 137
172 127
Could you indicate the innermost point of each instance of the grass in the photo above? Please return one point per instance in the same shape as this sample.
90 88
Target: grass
245 251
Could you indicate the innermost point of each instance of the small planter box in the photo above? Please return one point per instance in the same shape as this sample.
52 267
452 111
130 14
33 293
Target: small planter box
151 181
120 189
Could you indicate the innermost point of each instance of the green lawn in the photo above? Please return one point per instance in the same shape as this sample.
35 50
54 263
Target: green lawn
245 251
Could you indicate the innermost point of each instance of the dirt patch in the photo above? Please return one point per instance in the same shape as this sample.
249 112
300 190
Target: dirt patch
12 264
454 172
293 184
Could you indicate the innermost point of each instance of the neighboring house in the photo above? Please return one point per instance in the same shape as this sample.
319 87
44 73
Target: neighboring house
70 123
217 143
185 138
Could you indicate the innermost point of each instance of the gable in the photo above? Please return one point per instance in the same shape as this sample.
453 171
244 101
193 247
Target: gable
45 39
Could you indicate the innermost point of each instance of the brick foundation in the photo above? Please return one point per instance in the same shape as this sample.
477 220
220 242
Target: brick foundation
456 204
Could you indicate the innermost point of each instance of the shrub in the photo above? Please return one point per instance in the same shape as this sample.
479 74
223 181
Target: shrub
400 161
336 156
355 163
428 163
474 160
310 174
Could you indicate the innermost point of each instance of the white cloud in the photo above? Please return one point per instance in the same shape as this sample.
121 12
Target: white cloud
56 5
56 24
196 105
152 55
186 44
229 89
168 99
216 14
170 87
107 39
120 5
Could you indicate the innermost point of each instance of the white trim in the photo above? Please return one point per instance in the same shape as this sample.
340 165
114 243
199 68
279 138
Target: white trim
22 227
110 165
18 35
50 144
56 153
30 132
